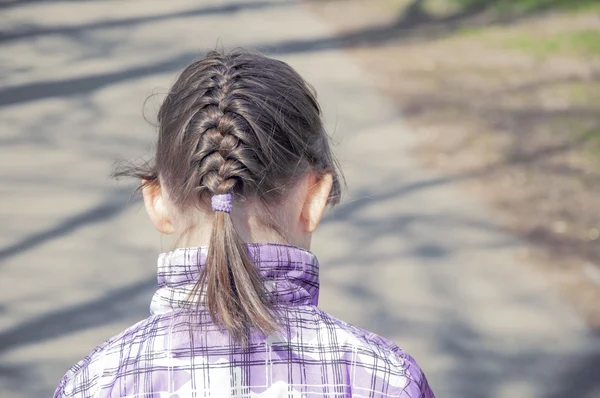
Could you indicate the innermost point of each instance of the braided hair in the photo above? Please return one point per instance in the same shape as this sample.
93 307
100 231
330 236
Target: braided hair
242 124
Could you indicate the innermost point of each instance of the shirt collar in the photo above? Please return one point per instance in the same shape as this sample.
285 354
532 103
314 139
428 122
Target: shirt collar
291 275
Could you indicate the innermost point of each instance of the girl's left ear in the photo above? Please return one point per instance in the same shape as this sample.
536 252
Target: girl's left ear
316 201
156 207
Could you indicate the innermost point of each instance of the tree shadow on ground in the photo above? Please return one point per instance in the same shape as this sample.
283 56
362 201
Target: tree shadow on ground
7 4
129 302
77 30
117 202
545 153
580 379
414 24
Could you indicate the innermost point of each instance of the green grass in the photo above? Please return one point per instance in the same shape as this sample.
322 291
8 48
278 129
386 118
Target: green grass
591 140
582 43
584 92
585 42
498 7
523 6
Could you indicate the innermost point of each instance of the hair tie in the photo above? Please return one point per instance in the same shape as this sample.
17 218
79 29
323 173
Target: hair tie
222 202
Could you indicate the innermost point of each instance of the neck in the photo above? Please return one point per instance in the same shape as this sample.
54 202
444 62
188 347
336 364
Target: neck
199 237
250 227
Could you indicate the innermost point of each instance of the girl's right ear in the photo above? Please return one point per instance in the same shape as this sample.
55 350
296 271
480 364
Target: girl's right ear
156 207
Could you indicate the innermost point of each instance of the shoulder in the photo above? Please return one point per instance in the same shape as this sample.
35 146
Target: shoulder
379 358
83 379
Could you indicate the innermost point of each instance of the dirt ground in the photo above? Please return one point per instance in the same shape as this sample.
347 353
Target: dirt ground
507 106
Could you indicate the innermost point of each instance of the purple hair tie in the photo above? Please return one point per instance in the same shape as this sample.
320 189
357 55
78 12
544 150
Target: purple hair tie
222 202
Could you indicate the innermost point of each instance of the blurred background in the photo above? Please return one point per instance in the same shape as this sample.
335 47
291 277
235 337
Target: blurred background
469 132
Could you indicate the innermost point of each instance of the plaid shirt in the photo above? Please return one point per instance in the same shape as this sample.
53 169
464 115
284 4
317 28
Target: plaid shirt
179 353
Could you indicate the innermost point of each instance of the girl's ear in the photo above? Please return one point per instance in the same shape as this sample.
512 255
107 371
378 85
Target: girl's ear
156 207
316 201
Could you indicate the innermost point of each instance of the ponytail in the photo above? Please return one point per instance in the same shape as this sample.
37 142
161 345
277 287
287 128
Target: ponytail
231 286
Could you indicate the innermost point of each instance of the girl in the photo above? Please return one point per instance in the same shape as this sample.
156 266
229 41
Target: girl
242 158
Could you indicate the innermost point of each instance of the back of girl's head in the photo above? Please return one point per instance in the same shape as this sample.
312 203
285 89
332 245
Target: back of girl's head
243 124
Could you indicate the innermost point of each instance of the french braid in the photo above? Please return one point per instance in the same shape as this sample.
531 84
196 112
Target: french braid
242 124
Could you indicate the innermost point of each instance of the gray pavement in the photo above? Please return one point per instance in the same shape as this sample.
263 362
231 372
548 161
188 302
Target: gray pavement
407 255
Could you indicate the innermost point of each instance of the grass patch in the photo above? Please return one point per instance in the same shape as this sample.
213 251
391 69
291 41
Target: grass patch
520 6
582 43
469 31
591 139
585 93
437 8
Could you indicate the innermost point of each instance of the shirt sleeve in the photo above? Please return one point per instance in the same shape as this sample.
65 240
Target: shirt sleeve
418 387
81 381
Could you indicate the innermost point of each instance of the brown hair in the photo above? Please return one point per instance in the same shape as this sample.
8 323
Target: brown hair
247 125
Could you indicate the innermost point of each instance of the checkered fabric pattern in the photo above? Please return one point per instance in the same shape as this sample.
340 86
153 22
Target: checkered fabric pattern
180 353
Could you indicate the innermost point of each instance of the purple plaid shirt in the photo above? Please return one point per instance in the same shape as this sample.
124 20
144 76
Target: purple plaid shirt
179 353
